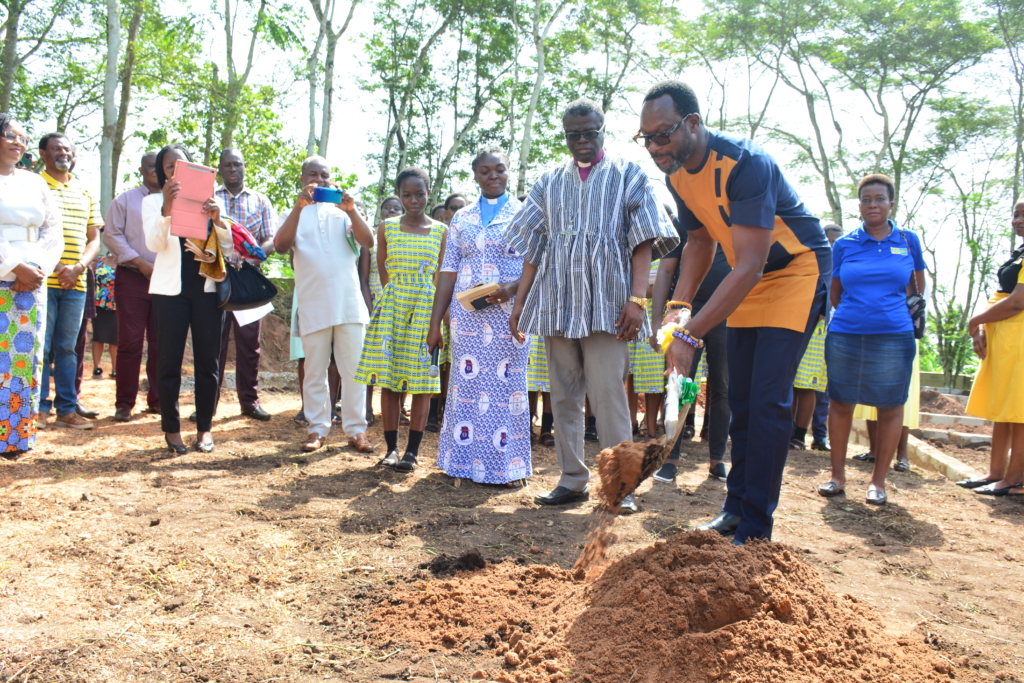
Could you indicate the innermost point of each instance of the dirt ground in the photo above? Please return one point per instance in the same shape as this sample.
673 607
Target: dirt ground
257 563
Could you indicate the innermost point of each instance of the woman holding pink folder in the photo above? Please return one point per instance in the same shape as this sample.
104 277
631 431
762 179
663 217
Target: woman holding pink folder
184 298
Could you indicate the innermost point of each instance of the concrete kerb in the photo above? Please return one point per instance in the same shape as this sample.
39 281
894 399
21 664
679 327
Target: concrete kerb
923 455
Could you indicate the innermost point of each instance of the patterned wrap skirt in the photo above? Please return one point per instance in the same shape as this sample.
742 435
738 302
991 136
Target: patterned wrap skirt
645 364
537 369
812 373
21 354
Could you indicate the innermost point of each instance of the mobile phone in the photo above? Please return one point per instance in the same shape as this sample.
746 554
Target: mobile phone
327 195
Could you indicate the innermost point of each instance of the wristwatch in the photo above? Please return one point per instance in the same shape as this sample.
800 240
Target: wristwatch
642 303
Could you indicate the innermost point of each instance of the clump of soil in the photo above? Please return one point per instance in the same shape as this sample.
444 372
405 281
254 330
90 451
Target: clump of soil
690 608
940 404
623 467
446 565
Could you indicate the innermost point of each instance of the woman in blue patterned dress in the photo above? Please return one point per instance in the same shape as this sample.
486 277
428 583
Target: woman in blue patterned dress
485 435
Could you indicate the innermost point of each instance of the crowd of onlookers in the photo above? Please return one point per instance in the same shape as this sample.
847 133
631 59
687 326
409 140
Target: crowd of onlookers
586 292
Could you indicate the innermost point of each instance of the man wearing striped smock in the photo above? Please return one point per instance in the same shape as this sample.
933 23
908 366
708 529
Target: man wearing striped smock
587 234
66 293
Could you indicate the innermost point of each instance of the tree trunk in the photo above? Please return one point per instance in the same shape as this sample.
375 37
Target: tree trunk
539 37
328 98
126 90
9 55
109 106
311 64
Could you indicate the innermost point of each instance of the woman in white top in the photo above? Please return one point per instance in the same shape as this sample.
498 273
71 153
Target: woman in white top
31 242
183 299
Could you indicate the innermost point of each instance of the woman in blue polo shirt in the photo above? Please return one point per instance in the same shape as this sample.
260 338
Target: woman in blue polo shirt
870 346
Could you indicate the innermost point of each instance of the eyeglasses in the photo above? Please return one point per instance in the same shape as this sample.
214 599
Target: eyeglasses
14 137
660 138
586 135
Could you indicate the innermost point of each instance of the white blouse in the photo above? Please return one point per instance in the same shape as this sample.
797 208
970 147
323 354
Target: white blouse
166 277
26 202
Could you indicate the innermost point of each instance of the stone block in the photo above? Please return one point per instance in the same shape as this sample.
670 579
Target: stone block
937 418
937 434
970 440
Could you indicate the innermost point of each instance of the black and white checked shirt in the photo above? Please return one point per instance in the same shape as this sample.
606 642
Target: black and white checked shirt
581 236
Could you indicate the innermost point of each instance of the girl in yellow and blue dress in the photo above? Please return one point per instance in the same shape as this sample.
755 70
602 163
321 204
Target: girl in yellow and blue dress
395 355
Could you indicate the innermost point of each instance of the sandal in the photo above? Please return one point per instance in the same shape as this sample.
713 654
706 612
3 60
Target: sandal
390 460
902 466
876 497
991 491
830 489
547 439
797 445
975 483
865 457
407 464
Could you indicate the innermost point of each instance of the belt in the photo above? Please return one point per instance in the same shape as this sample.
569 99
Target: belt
19 233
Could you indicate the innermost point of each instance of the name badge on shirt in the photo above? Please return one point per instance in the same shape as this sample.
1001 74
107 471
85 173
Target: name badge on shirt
899 251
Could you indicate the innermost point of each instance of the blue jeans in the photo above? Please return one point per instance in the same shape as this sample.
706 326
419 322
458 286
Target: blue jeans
64 309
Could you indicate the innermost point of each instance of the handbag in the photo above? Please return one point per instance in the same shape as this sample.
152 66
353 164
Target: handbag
916 303
244 287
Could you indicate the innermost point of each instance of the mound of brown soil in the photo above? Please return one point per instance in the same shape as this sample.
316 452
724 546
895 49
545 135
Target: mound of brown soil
693 608
940 404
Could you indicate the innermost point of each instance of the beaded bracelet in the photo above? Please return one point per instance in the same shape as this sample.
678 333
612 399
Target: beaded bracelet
684 334
676 305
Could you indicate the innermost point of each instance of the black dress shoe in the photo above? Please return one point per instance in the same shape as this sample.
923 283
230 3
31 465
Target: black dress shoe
821 445
725 523
176 448
122 415
562 496
204 446
590 431
257 413
85 412
192 417
152 410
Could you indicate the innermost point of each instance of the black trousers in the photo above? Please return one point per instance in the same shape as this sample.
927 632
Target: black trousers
196 310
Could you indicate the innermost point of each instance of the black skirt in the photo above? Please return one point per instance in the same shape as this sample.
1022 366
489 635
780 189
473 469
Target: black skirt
104 326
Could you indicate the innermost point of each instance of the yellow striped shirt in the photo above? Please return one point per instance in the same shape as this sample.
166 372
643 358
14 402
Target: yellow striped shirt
80 212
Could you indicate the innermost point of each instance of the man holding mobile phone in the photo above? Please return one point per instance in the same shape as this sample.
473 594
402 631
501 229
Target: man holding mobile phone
332 313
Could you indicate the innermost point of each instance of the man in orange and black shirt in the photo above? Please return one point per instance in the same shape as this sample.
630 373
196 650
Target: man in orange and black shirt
730 192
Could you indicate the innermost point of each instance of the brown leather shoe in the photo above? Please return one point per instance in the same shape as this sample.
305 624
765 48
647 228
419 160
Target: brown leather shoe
361 443
314 442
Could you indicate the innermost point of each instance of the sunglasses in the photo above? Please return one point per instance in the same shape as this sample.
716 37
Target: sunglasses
14 137
585 135
660 138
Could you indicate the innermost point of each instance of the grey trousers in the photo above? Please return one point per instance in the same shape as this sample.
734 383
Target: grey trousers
594 366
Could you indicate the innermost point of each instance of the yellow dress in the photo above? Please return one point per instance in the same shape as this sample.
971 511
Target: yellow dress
996 392
911 409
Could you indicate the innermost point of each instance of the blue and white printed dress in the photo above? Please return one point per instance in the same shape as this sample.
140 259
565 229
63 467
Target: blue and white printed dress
486 432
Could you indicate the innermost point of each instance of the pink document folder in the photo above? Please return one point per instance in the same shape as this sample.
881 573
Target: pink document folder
197 183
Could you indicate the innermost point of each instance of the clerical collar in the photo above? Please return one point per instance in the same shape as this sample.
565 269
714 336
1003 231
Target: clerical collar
489 200
596 161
